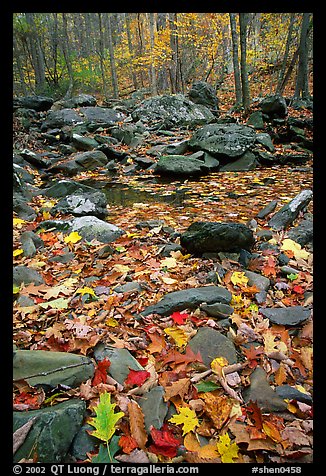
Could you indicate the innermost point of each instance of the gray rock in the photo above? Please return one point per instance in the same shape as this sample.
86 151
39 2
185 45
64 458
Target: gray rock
265 139
38 103
256 120
53 430
121 361
128 287
83 443
287 214
91 228
25 301
211 344
217 310
223 140
24 211
189 299
261 392
177 148
268 209
91 159
64 117
256 279
274 106
83 203
203 237
166 251
180 165
51 368
303 233
171 111
23 274
30 241
102 115
83 143
65 258
246 162
291 393
204 93
286 316
62 188
80 101
154 408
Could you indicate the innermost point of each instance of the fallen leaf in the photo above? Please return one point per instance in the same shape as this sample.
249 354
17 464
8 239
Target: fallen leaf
127 443
137 425
21 433
239 279
105 419
298 252
165 443
180 387
73 237
179 317
100 374
136 377
217 407
187 418
178 335
227 450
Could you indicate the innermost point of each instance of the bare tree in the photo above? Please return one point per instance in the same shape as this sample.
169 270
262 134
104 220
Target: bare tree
114 76
36 54
243 21
152 67
235 57
302 84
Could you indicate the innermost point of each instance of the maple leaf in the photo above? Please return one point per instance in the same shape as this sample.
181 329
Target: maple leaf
165 443
295 248
100 374
127 443
73 237
179 317
158 343
269 268
86 290
187 418
239 278
179 387
178 335
208 451
105 420
136 377
251 354
227 450
217 407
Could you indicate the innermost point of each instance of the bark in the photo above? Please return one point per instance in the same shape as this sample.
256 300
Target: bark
67 56
175 68
130 49
162 77
152 67
36 54
101 55
114 77
235 57
285 56
243 21
302 85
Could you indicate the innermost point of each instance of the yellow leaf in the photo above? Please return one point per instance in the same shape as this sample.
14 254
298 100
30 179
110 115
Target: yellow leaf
226 449
85 290
178 335
122 268
73 237
168 280
46 215
290 245
239 278
111 322
19 222
169 263
187 418
18 252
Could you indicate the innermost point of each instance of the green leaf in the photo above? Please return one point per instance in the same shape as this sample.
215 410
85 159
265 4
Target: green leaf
105 420
292 276
207 386
59 303
106 454
16 289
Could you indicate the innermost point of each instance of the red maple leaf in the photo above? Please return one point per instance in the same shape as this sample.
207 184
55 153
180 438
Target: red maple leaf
100 375
179 317
142 360
136 377
251 354
165 443
127 443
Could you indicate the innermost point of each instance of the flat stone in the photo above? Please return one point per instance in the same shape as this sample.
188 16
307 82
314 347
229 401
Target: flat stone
154 408
83 443
128 287
217 310
180 165
291 393
62 188
256 279
211 344
23 274
83 203
52 432
287 214
261 392
121 361
246 162
39 367
91 227
303 233
189 299
265 140
286 316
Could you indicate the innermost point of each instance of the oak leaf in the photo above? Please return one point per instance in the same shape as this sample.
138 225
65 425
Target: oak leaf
106 419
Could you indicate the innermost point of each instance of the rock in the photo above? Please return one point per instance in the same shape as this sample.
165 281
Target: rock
303 233
291 393
83 203
166 251
91 159
24 211
255 279
62 188
80 101
35 160
189 299
38 103
121 361
180 165
83 443
102 115
204 93
52 432
265 139
64 258
149 224
23 274
268 209
265 158
64 117
154 408
288 213
246 162
128 287
261 392
217 310
211 344
274 106
24 176
223 140
256 120
171 111
30 241
176 148
203 237
286 316
83 143
91 227
51 368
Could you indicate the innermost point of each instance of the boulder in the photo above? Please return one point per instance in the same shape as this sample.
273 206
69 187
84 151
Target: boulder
303 233
204 93
261 392
266 140
246 162
23 274
211 344
91 227
39 367
171 111
189 299
274 106
256 120
61 188
52 432
286 316
38 103
206 237
83 203
91 159
64 117
223 140
154 408
288 213
103 116
180 165
80 101
83 143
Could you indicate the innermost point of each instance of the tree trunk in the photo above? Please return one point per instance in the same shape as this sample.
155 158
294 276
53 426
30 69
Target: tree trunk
67 57
285 56
36 53
175 68
152 67
243 21
162 77
302 86
112 61
235 57
19 67
130 49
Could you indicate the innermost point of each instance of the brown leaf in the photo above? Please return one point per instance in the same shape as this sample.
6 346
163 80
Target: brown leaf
180 387
20 435
137 424
136 456
217 407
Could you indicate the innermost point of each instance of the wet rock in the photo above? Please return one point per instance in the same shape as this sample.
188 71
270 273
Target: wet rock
39 367
52 432
189 299
286 316
83 203
23 274
203 237
211 344
121 361
154 408
91 227
261 392
287 214
180 165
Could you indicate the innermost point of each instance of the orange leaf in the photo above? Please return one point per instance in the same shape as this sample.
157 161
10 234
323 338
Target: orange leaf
127 443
